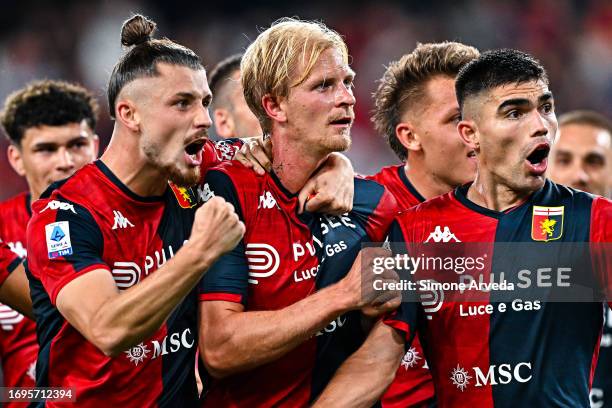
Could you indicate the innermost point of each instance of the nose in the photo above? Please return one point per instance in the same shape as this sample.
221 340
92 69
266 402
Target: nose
580 177
539 125
65 160
344 96
202 118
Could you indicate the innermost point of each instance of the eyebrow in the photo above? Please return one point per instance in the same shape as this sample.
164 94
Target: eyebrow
545 97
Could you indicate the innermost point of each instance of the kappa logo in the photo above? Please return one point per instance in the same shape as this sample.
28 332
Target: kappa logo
263 260
120 221
58 205
126 274
18 248
205 193
266 201
32 371
9 317
432 299
411 358
439 235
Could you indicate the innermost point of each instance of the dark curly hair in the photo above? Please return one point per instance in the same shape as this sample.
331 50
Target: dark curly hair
47 102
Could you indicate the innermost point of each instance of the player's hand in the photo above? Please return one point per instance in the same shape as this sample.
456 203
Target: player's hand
216 229
256 154
330 190
358 285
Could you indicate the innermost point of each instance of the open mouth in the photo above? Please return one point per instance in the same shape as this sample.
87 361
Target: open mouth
194 147
193 152
537 160
539 154
344 121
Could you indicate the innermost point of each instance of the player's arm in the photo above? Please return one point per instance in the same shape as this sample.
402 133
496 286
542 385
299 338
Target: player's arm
15 292
14 286
233 340
114 321
330 190
365 375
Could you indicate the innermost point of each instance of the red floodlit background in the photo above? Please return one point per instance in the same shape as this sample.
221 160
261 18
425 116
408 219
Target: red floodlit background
79 41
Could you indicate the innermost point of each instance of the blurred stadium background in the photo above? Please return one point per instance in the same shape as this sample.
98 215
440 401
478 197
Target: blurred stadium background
79 41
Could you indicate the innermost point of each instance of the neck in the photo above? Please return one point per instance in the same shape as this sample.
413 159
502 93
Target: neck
34 195
294 163
427 184
135 171
488 192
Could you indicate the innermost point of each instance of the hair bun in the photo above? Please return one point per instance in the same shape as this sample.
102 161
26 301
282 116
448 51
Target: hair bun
137 30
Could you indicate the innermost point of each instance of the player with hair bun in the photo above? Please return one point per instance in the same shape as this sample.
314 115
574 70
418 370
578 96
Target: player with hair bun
111 271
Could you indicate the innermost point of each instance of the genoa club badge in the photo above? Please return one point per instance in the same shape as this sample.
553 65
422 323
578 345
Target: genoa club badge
546 223
184 195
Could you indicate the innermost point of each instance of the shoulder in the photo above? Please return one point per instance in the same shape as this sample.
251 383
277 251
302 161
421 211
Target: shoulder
15 202
234 182
385 174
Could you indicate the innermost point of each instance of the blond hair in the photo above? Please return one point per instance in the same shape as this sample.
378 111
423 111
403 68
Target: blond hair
403 83
270 64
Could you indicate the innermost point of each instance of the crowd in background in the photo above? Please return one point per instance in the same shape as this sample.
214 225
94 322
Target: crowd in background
78 41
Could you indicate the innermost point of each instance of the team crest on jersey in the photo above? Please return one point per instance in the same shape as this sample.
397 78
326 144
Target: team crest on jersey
185 196
58 239
547 223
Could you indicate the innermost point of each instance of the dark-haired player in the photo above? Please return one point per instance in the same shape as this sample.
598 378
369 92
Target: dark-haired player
502 356
112 276
50 128
230 113
281 311
416 111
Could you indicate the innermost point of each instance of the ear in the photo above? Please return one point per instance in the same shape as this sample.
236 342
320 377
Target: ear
15 159
96 145
224 123
469 134
405 133
127 115
274 107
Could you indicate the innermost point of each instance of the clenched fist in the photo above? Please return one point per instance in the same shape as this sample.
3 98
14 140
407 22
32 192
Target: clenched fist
216 229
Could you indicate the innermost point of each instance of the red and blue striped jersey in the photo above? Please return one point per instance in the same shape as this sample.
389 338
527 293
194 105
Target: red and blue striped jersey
504 349
283 258
93 221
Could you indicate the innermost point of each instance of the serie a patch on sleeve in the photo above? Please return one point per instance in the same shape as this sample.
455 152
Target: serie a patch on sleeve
58 239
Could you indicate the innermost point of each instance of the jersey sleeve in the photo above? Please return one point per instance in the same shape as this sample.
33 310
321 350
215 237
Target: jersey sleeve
405 317
375 208
228 278
8 261
601 243
63 244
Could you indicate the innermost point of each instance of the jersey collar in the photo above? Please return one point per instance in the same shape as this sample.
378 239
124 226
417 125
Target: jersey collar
404 178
